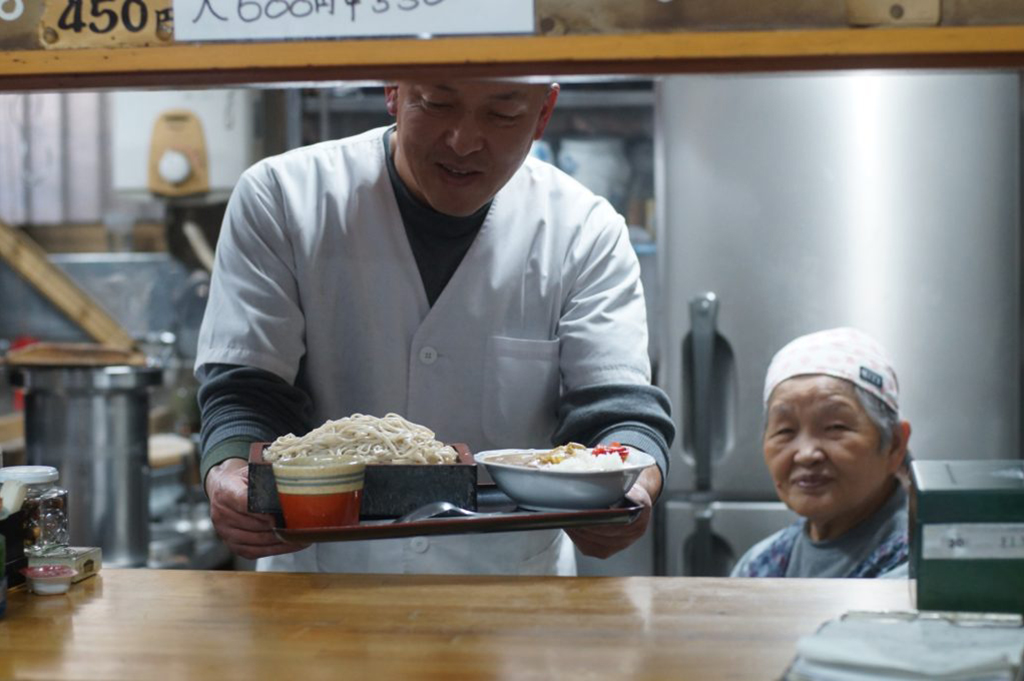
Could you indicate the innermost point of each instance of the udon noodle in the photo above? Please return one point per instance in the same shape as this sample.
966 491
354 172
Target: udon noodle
388 440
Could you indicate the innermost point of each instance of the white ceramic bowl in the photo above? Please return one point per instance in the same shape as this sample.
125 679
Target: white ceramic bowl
539 489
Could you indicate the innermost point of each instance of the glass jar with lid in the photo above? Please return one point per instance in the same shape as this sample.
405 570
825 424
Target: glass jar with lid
45 507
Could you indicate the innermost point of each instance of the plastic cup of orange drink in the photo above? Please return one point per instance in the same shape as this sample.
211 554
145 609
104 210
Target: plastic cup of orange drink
319 491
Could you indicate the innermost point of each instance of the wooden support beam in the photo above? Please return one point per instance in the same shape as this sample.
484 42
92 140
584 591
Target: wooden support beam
936 47
30 261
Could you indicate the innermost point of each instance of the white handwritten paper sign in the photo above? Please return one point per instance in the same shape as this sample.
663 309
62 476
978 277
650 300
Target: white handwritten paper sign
208 20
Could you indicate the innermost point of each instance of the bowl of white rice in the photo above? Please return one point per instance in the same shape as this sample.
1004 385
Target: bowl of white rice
564 478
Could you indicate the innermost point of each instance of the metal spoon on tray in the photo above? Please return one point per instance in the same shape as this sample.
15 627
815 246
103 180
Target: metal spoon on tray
440 510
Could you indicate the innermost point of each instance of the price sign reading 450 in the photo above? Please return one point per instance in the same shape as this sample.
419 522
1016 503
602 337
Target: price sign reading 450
103 16
106 23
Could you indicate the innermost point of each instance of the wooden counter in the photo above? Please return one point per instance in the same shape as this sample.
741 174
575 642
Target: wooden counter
153 624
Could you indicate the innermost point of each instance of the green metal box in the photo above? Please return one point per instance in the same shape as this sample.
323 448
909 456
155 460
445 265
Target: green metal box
967 535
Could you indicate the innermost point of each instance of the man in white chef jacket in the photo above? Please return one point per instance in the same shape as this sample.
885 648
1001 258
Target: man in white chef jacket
434 270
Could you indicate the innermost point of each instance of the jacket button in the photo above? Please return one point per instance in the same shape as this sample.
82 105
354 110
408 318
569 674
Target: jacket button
419 544
428 355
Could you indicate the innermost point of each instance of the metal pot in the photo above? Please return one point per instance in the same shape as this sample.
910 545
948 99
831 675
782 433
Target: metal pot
92 424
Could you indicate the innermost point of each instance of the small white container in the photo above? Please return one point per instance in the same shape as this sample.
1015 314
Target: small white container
49 580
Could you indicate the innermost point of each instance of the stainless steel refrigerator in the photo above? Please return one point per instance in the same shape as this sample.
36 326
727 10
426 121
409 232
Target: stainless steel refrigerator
789 203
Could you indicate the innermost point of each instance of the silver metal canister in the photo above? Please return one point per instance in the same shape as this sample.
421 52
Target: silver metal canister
92 423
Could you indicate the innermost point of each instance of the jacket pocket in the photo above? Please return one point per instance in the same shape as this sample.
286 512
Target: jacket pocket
521 387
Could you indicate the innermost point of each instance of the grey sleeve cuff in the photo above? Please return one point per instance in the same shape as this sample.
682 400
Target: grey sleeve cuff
638 436
234 448
635 415
242 405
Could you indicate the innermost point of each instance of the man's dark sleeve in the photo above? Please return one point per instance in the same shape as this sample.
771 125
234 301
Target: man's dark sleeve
240 405
635 415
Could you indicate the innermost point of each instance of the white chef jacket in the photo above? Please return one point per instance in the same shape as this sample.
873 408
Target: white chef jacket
315 281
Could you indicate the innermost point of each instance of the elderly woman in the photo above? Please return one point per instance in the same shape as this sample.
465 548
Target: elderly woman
834 444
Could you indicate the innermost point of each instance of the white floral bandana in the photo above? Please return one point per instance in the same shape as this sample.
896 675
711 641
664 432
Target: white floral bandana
846 353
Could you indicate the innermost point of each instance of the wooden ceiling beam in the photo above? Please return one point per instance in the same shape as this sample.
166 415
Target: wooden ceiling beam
223 64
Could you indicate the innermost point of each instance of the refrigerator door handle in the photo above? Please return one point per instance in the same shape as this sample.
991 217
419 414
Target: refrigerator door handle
703 332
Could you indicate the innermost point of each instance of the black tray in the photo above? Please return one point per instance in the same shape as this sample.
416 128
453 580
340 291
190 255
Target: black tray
508 518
